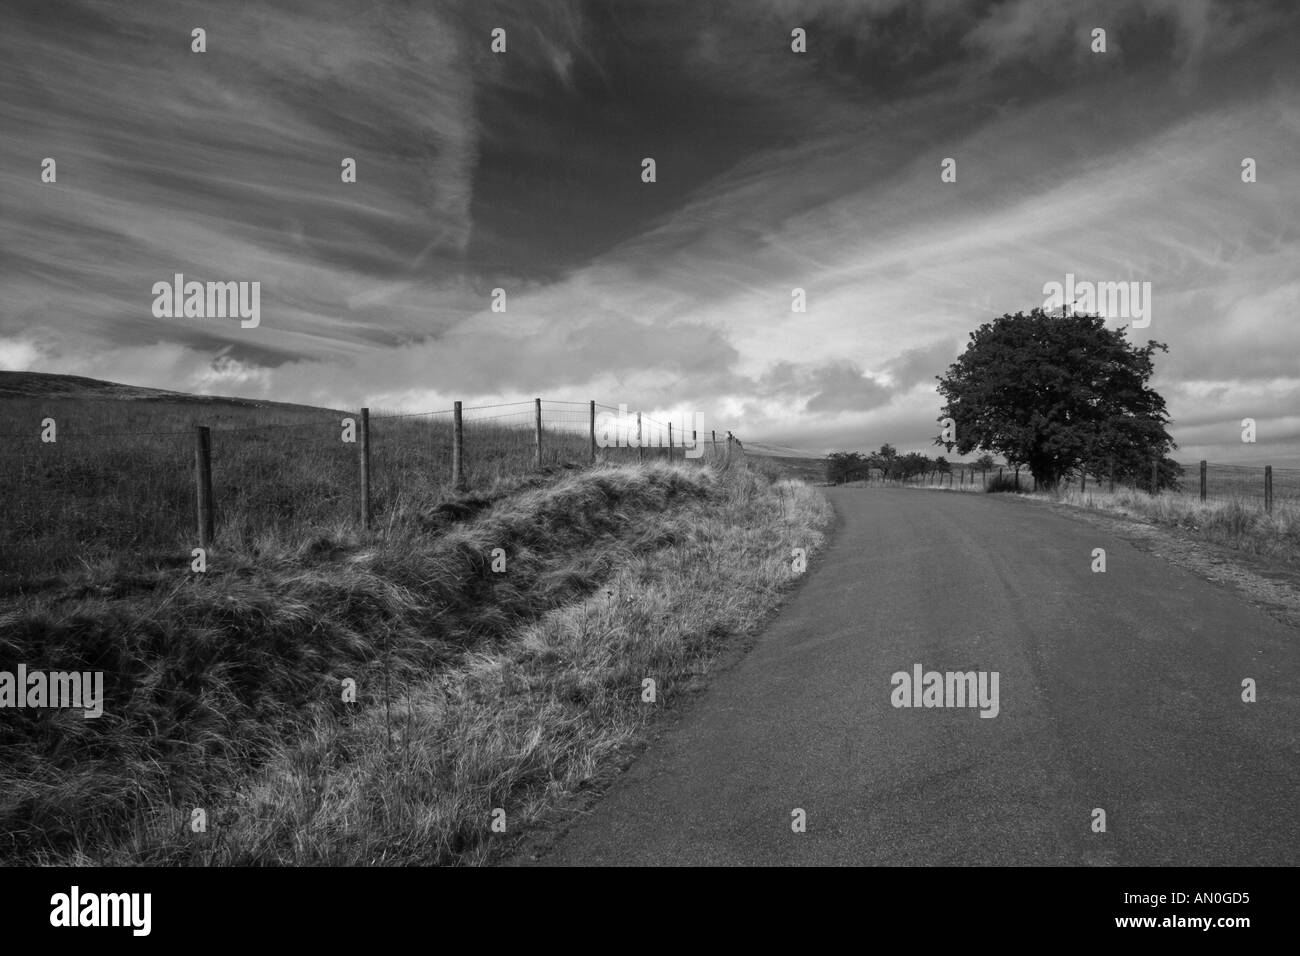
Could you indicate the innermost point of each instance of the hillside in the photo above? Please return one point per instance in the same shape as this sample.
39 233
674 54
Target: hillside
44 385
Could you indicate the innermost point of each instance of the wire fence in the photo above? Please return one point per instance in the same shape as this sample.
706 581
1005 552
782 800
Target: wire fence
86 483
1262 487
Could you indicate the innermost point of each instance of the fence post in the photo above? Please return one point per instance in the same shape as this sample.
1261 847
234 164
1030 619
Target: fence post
1110 472
457 451
1155 476
203 484
640 442
592 430
365 469
715 442
1202 479
1268 488
537 433
670 441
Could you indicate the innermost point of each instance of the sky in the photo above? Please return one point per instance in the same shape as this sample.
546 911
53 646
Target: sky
774 170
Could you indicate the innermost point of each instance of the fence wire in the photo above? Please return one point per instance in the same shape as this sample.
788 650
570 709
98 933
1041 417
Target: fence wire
119 479
1253 486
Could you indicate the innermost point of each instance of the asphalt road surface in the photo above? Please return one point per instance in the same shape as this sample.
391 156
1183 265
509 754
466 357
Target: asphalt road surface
1119 690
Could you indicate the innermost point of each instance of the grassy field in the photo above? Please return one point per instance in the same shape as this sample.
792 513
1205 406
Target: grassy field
1240 483
811 470
118 484
480 685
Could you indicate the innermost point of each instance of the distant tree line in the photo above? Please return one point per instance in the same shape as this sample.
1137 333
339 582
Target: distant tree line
887 463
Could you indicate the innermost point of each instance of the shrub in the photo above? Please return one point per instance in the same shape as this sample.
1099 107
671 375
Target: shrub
1004 482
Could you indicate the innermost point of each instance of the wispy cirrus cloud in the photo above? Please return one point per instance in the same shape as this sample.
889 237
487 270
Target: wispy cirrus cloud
521 172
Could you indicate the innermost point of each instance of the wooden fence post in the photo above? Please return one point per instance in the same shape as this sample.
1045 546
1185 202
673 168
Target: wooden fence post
457 451
1268 488
537 433
203 484
592 430
670 441
1203 479
640 442
365 469
715 442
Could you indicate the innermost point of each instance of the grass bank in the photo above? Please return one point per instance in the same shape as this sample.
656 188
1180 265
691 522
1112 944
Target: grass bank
1242 525
500 648
119 480
1239 524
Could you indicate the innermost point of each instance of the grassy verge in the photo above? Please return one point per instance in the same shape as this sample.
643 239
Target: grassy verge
477 689
1237 524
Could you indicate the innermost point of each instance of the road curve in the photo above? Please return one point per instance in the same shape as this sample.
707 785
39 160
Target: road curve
1118 690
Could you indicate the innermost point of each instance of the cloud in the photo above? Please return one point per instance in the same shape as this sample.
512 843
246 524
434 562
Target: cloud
226 375
1020 30
521 171
17 355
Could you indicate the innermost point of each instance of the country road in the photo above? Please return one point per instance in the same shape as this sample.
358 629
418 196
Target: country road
1118 690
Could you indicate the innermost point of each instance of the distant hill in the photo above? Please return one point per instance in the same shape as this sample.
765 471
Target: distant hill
780 451
45 385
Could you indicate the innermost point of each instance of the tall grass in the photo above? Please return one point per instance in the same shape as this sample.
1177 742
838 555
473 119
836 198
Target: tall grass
118 484
1238 523
477 688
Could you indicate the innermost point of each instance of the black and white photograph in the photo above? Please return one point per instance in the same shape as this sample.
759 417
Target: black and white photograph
642 434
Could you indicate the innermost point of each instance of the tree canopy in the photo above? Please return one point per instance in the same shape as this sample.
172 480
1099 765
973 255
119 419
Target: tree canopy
1056 392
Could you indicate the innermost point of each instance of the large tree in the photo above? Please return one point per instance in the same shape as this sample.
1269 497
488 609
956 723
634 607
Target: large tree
1052 392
